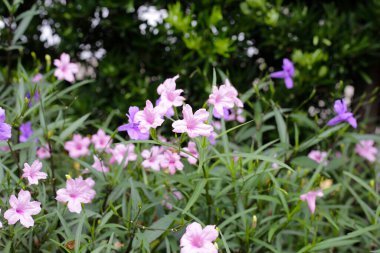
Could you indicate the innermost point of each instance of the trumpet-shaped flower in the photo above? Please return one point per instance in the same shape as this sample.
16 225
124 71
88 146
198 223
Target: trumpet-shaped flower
367 150
192 149
148 118
43 152
193 124
78 146
132 127
38 77
33 172
170 96
25 131
171 161
340 108
22 209
152 158
99 165
77 191
311 197
224 97
287 73
122 153
198 240
65 69
5 129
318 156
101 140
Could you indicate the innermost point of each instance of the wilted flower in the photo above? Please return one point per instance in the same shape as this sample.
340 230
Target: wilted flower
33 172
318 156
310 198
224 97
132 127
149 118
171 161
287 73
22 209
99 165
343 115
78 146
43 152
325 184
192 149
25 131
198 240
152 158
101 140
5 129
65 69
367 150
77 191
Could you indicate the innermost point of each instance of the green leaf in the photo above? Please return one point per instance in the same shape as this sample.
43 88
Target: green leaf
159 227
197 192
26 18
281 127
73 127
78 234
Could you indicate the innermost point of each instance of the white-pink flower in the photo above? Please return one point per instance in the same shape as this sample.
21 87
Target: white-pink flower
192 149
152 158
99 165
171 161
101 140
150 117
224 97
311 197
170 96
193 124
77 191
22 209
122 153
33 172
367 150
65 69
78 146
43 152
198 240
318 156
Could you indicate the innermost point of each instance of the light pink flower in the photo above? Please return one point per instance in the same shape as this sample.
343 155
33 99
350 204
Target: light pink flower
318 156
193 124
367 150
170 96
38 77
99 165
171 161
101 140
78 146
310 198
224 97
77 191
152 157
198 240
65 69
192 149
177 195
148 118
43 152
22 209
33 172
122 153
212 138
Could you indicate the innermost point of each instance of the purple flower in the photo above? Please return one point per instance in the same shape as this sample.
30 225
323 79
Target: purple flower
5 129
287 73
35 98
132 127
26 131
340 109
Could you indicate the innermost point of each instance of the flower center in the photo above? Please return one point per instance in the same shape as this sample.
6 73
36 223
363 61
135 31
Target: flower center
19 211
197 242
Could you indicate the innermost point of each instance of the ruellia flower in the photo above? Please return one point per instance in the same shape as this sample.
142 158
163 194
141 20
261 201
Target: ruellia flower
193 124
35 98
287 73
171 161
177 195
65 69
101 140
367 150
165 112
132 127
122 152
152 158
38 77
25 131
99 165
223 98
22 209
192 149
318 156
149 118
340 108
33 172
170 96
43 152
77 191
198 240
78 146
5 129
311 197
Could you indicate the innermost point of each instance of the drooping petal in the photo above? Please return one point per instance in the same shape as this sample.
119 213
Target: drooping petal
289 82
278 74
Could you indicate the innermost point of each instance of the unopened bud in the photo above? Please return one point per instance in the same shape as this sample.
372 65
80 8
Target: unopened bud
254 221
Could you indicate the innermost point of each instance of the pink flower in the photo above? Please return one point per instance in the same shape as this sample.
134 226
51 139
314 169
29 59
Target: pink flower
177 195
38 77
192 149
171 161
310 198
77 191
99 165
212 138
33 172
43 152
65 69
198 240
367 150
192 124
149 118
78 146
22 209
318 156
152 157
224 97
169 95
122 153
101 140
